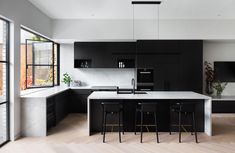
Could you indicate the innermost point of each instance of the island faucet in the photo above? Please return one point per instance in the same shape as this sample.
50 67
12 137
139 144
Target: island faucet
133 84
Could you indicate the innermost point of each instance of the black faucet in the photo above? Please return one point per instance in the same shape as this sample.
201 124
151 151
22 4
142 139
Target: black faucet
133 84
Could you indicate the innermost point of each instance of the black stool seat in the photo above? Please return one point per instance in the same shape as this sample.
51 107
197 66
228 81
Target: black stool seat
184 109
146 108
112 108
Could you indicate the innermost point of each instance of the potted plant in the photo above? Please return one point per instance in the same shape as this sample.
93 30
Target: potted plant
219 87
67 79
209 72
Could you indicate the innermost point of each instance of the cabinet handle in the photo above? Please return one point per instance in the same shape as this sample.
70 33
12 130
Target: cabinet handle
145 72
145 89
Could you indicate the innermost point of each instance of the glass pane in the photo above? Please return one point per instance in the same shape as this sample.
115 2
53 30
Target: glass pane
39 76
3 123
39 52
3 82
3 40
55 75
22 67
55 53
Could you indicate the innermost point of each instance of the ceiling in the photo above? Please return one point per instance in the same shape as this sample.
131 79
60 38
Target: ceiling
122 9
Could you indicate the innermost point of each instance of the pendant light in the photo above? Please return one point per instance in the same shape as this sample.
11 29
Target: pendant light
157 3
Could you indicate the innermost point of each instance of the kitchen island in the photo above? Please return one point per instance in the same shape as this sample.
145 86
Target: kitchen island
164 98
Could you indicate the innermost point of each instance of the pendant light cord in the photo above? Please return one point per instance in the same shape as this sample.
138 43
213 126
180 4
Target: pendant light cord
158 24
133 22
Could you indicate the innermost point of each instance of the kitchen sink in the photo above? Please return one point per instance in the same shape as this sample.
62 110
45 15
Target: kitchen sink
130 92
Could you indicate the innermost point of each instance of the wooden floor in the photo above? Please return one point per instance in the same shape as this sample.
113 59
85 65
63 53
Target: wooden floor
70 137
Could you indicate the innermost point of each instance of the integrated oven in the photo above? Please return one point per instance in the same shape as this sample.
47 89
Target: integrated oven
145 75
145 79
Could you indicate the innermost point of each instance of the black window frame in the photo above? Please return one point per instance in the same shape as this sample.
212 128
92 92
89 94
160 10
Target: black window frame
57 64
7 62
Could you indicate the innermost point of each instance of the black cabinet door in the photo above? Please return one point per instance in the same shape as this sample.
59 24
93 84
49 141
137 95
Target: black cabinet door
61 105
157 46
104 54
97 52
51 115
191 64
79 100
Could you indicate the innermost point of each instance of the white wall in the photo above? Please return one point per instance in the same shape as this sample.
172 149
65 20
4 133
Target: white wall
20 12
92 77
144 29
220 51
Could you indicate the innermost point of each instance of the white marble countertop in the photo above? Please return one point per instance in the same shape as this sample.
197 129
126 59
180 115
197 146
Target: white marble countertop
42 92
224 98
149 95
47 92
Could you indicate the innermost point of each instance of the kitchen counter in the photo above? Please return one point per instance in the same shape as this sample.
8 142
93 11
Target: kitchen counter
149 95
47 92
203 107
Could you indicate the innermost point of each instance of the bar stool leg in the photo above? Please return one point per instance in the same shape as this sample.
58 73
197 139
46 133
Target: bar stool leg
194 127
155 118
135 121
102 127
170 124
141 128
105 115
179 127
122 124
119 126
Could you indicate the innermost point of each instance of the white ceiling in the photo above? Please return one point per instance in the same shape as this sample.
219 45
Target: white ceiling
122 9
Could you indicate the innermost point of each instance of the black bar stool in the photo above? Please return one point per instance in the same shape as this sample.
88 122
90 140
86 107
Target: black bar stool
185 109
146 108
111 108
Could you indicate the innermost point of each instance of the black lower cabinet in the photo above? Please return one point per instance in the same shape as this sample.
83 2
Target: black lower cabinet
61 105
51 117
223 106
129 107
78 103
57 108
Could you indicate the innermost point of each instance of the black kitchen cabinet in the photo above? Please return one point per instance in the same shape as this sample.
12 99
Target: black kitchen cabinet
191 65
61 105
57 108
223 106
51 116
79 100
177 64
103 54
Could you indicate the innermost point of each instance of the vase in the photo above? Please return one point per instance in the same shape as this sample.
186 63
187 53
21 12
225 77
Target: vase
218 94
209 90
68 84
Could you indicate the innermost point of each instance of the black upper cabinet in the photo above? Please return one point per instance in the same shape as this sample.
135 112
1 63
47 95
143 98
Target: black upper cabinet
177 64
157 47
103 54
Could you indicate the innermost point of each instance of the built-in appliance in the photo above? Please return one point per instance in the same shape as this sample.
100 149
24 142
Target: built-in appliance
145 79
225 71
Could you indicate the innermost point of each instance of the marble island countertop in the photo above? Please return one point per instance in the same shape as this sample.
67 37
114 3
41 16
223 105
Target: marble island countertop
149 95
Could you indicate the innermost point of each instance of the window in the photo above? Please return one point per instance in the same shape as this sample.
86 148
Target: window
4 81
39 61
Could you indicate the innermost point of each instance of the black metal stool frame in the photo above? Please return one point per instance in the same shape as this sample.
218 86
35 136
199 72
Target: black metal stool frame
152 109
118 111
181 110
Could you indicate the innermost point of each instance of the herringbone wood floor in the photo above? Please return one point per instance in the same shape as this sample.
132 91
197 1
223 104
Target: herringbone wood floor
70 137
